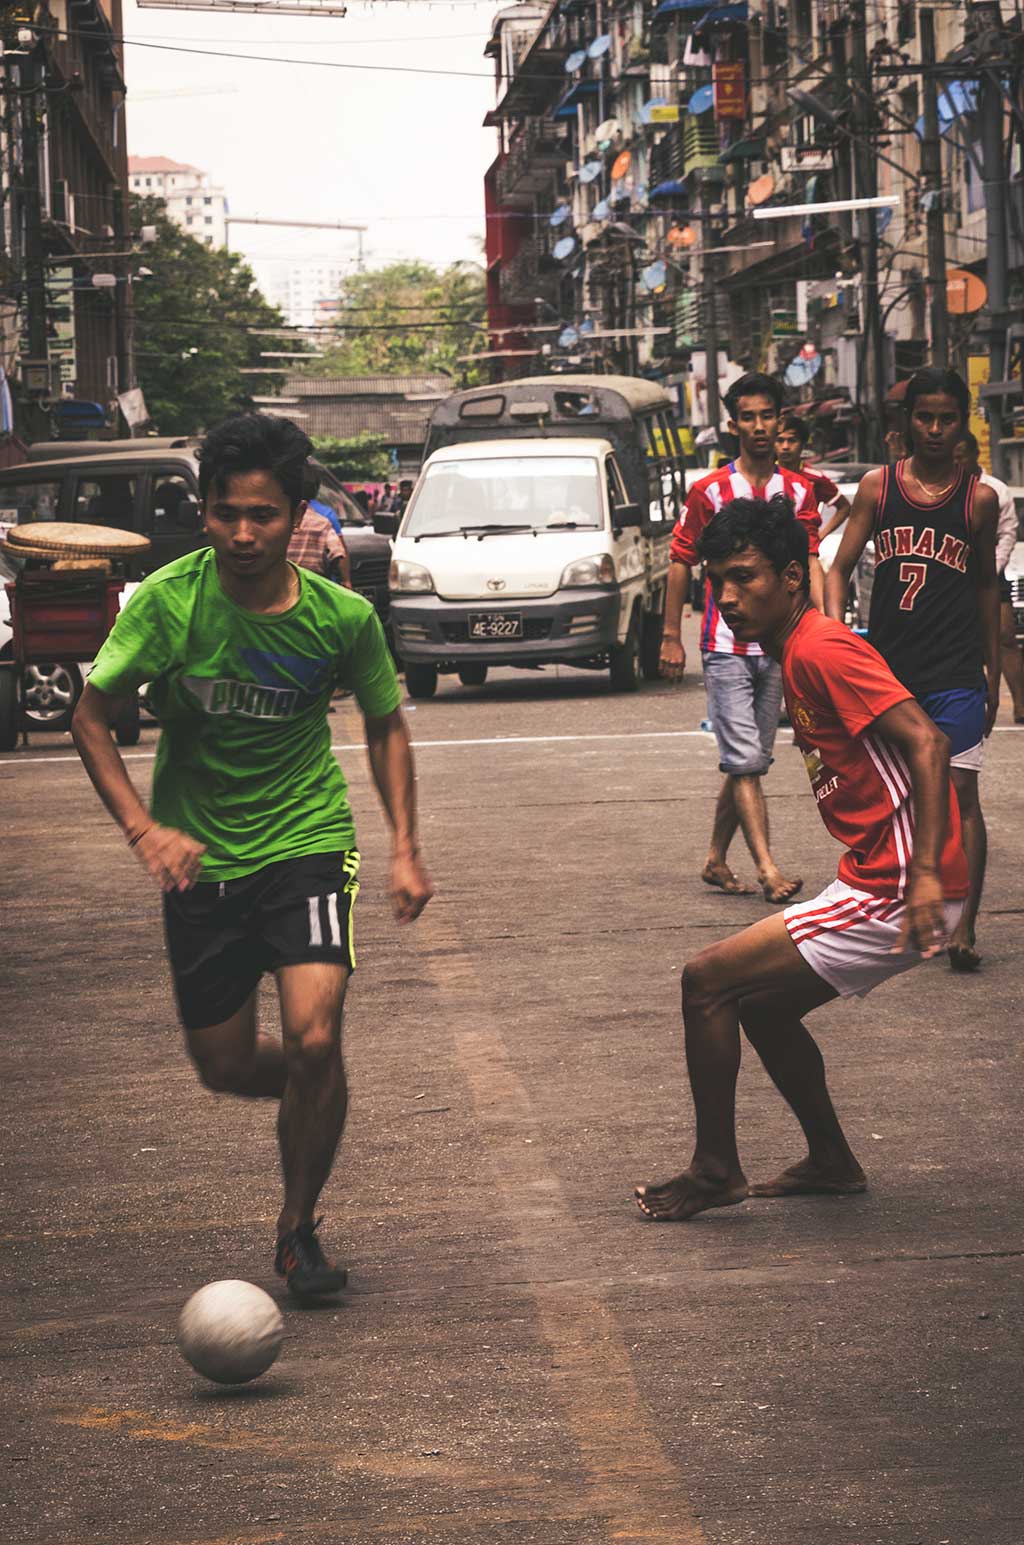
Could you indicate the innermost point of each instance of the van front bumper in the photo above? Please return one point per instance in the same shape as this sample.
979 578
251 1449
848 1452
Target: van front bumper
571 625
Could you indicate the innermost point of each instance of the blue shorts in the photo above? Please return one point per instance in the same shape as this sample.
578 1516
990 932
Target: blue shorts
960 715
744 698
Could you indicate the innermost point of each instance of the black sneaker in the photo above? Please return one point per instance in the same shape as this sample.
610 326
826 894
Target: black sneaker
302 1262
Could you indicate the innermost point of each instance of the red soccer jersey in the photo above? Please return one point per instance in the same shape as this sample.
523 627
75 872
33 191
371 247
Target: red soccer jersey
825 491
705 499
836 686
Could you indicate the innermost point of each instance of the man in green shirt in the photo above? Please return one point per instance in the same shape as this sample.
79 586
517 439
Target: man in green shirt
250 833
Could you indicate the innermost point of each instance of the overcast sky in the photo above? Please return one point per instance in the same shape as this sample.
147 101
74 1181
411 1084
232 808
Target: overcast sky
404 154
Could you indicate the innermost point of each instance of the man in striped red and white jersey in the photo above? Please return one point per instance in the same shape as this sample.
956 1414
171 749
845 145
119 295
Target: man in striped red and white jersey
879 770
743 685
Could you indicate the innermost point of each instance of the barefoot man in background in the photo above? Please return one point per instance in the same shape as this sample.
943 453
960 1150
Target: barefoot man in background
879 771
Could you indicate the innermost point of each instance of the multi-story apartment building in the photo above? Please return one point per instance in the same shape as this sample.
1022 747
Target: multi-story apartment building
641 144
307 290
64 281
193 202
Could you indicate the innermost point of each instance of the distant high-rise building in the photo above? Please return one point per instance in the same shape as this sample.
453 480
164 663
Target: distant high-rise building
192 200
307 289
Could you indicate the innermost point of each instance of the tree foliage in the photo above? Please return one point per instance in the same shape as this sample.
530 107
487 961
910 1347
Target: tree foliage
191 321
361 459
408 319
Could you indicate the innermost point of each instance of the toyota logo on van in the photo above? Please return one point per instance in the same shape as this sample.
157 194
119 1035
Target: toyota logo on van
495 584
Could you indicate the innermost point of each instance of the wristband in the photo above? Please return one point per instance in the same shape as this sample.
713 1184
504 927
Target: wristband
139 836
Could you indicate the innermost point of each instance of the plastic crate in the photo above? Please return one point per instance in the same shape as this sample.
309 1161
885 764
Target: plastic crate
61 618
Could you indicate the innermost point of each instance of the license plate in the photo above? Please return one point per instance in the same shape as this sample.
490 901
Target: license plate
495 625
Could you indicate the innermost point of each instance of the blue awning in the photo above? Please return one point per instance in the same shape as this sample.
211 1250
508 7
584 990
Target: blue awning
681 5
671 187
583 88
959 97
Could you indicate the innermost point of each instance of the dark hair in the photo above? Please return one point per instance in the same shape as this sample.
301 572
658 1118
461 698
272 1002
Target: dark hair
310 482
971 442
255 442
932 380
769 525
756 384
800 427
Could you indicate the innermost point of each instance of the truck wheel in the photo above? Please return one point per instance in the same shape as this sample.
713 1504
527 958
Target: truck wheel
421 680
650 646
9 714
624 662
473 675
127 726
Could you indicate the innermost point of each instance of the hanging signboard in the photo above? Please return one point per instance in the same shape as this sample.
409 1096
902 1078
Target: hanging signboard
664 114
801 158
730 89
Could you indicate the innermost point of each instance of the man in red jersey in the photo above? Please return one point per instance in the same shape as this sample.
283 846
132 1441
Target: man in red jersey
744 687
879 769
790 445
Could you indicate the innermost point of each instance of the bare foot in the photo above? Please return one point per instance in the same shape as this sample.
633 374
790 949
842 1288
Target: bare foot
810 1179
723 879
673 1201
776 888
963 957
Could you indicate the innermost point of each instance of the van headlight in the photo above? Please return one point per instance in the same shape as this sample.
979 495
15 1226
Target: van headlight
409 578
584 573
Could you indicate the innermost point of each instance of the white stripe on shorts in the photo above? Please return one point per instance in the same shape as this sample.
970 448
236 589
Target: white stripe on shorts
315 936
332 917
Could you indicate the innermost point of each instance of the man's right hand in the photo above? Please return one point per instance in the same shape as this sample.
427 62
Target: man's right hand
170 856
672 660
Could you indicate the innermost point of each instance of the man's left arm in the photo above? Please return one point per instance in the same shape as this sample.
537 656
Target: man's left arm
925 750
387 740
984 520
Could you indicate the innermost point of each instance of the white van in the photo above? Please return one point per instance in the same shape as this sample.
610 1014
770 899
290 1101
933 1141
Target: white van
526 552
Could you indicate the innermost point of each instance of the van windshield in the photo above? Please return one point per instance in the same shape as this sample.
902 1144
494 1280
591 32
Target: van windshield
539 493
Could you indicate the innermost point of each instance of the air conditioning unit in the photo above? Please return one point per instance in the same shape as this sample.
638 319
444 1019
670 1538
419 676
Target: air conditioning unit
62 203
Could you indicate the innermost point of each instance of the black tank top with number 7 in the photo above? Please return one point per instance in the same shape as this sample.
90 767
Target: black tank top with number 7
924 610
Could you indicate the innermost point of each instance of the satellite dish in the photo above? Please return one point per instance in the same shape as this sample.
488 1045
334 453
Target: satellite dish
965 292
567 337
621 165
701 100
563 248
802 369
575 61
644 115
602 210
761 189
655 276
883 219
591 170
606 132
560 215
600 46
681 236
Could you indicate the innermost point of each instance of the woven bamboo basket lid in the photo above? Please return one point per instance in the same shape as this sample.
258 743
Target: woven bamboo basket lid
73 539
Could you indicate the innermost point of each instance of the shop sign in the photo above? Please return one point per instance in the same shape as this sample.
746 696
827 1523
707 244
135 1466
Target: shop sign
730 89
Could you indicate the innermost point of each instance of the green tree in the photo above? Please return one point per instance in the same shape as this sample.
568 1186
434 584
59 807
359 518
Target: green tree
361 459
408 319
192 329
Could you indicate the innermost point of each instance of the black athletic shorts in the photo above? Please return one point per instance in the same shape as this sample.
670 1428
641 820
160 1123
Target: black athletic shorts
223 935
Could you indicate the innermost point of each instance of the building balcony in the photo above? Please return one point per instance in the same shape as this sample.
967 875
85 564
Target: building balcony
529 273
535 154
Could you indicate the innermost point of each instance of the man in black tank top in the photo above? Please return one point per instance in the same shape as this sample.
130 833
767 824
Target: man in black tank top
935 603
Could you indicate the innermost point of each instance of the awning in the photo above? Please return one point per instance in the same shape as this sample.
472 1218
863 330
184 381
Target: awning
681 5
751 149
954 100
576 94
670 188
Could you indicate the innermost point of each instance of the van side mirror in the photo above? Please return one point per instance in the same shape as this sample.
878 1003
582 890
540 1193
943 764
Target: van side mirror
624 515
189 516
385 523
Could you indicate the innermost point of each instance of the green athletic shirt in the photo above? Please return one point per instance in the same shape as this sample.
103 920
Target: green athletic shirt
244 763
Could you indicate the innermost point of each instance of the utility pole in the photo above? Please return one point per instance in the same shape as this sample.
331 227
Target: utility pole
32 225
710 275
935 217
873 374
997 192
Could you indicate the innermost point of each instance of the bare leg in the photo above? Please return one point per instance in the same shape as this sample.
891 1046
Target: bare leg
1012 662
962 954
716 871
233 1058
772 1023
752 810
761 959
313 1109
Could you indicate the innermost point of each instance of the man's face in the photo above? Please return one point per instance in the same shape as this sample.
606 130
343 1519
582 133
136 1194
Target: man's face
788 449
250 522
935 426
965 457
756 424
755 601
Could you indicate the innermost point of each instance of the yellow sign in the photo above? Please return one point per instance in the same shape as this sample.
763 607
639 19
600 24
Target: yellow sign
665 114
977 375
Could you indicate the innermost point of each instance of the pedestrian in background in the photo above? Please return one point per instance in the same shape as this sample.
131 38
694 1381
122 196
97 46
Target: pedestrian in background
791 448
314 542
1007 535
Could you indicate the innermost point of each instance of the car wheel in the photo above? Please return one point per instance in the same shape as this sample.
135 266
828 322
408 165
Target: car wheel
9 714
50 694
473 675
421 680
624 660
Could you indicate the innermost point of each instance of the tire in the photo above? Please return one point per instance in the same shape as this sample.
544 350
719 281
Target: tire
624 664
650 646
10 715
127 725
50 693
421 680
473 675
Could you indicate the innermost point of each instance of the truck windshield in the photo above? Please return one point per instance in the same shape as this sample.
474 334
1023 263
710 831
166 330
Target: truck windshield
535 493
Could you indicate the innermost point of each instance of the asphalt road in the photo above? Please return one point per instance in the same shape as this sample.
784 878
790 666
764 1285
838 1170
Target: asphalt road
520 1357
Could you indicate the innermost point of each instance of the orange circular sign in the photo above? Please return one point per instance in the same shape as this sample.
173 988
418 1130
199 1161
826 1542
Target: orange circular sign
965 292
620 166
681 236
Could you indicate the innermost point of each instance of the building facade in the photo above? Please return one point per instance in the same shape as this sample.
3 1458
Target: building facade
647 151
192 201
306 290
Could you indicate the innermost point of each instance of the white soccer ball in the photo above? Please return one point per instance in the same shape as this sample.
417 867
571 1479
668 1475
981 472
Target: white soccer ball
230 1332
